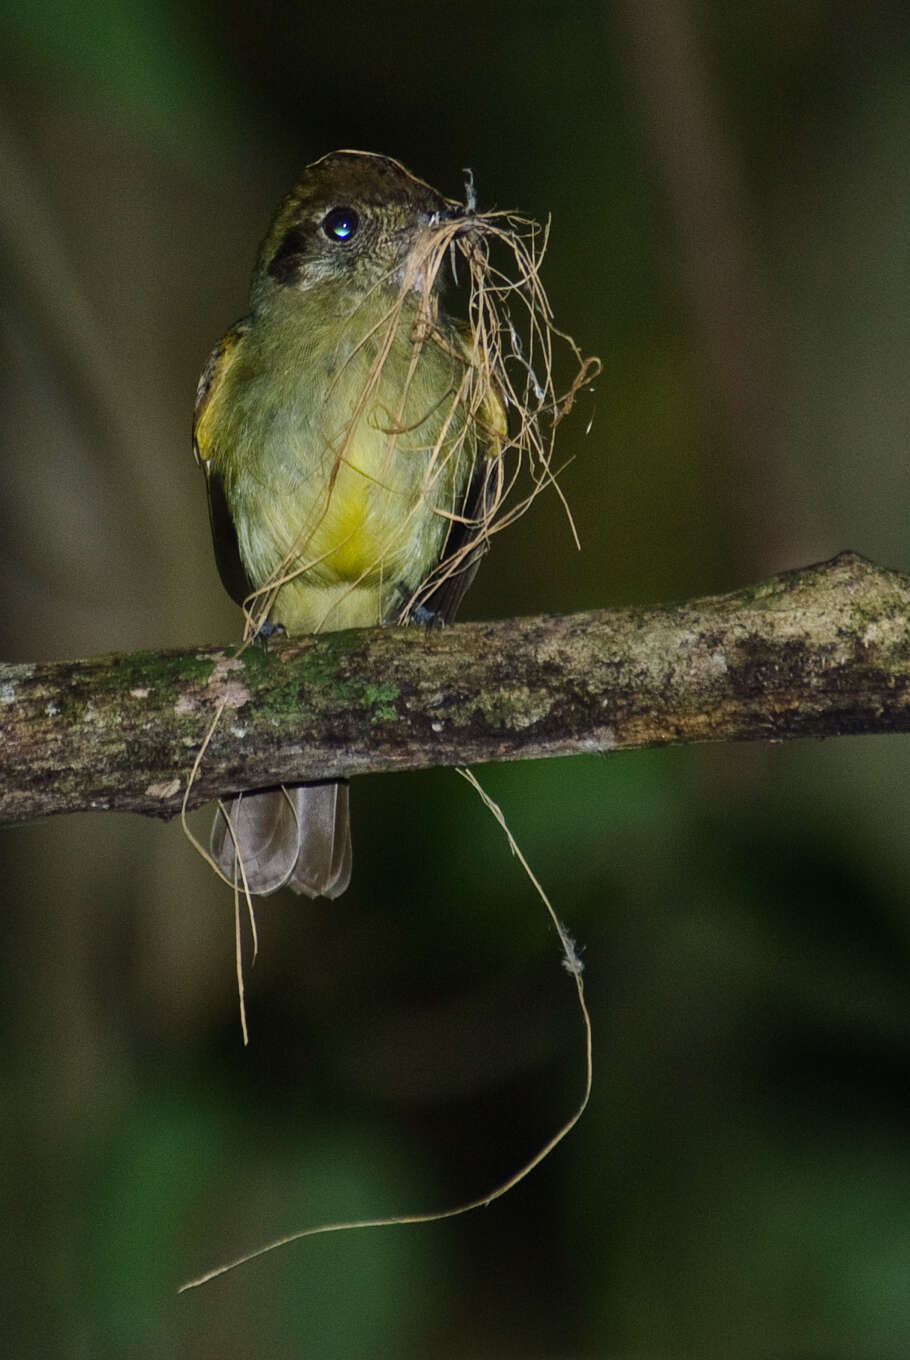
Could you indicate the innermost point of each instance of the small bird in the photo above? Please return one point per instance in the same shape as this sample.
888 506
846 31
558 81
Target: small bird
349 444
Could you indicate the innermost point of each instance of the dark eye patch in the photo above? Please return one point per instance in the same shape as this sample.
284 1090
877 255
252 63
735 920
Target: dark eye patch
283 264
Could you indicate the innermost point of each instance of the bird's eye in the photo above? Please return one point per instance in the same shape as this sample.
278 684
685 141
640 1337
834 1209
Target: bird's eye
340 224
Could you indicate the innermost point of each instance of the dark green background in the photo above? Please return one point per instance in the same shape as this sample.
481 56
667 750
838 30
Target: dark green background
729 186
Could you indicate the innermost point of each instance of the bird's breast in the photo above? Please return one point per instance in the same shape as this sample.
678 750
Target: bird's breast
344 478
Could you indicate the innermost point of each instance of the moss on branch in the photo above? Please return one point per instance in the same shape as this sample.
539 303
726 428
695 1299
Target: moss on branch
819 652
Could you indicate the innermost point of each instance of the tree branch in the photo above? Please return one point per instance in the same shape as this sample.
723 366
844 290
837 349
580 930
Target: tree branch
824 651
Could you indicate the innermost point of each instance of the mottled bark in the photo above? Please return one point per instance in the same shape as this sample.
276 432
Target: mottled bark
824 651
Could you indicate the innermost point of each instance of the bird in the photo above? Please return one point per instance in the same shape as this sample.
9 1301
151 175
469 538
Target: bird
350 444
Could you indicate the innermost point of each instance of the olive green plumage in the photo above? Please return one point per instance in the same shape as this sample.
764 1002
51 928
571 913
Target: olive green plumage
340 462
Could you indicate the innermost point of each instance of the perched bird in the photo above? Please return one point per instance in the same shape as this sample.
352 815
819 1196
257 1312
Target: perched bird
349 442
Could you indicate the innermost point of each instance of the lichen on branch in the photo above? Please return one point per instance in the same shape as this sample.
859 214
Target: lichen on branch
823 651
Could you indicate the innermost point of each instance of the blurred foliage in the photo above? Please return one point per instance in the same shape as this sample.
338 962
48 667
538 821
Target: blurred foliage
739 1185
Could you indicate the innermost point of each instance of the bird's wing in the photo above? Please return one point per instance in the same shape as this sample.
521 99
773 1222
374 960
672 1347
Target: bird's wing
224 535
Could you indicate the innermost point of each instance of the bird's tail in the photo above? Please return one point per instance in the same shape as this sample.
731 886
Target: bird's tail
297 836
